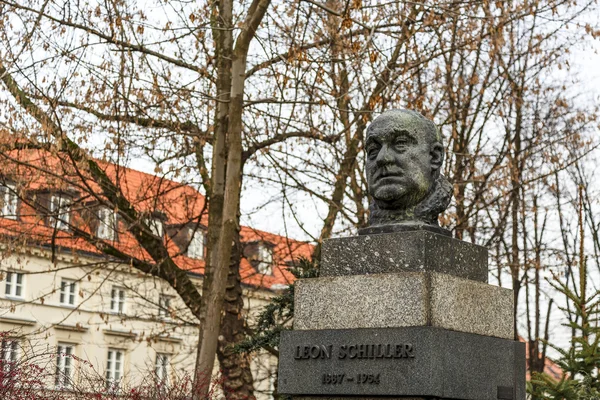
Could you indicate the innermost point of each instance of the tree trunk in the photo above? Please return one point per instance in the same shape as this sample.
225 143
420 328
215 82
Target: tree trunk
235 367
223 49
216 281
515 171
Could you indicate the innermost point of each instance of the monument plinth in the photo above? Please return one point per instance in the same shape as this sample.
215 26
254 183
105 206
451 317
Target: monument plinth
402 310
409 251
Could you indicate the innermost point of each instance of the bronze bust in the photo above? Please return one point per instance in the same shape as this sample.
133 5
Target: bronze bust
404 156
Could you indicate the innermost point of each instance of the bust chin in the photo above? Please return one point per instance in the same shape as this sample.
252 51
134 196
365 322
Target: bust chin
390 198
424 211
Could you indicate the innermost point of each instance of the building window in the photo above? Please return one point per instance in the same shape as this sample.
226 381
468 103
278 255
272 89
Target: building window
155 225
9 356
164 306
265 259
14 284
114 369
117 300
273 363
67 292
260 255
60 209
9 198
64 365
162 370
107 224
196 247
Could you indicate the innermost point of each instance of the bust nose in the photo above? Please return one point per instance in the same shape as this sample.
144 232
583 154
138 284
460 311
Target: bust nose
385 156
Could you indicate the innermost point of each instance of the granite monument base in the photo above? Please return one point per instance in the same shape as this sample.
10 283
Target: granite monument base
405 315
401 362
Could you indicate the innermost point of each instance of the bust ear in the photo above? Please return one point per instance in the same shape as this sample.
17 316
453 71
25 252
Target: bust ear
437 156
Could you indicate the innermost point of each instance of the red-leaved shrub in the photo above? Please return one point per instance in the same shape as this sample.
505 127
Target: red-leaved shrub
30 372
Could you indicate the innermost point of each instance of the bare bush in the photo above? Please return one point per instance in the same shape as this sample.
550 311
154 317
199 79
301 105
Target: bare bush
30 370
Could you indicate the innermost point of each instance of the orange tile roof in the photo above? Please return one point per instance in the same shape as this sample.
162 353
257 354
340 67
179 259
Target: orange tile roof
39 170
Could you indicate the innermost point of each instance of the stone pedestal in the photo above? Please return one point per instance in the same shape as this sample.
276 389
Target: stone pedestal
402 315
403 299
412 251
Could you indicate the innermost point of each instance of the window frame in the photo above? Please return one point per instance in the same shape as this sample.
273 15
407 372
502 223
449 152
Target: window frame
11 283
164 310
64 365
117 304
10 358
162 370
196 236
113 376
71 294
272 371
107 224
60 204
156 225
264 267
10 205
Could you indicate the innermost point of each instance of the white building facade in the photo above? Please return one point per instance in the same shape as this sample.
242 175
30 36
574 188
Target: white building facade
106 319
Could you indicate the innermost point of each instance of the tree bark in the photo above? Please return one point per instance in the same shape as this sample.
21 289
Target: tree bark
224 233
223 48
235 367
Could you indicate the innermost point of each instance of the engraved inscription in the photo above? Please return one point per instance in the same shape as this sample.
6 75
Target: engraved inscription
354 351
366 351
313 352
359 379
386 363
368 378
333 379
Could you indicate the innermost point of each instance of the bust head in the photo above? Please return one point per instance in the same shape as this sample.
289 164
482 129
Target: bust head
404 158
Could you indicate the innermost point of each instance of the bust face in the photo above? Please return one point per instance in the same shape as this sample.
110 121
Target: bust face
402 159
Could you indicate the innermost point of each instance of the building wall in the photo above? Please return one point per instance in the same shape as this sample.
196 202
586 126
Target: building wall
91 326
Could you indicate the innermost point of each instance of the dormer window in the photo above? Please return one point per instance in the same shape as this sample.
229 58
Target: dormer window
156 226
190 238
260 255
60 211
107 224
265 259
196 246
9 198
